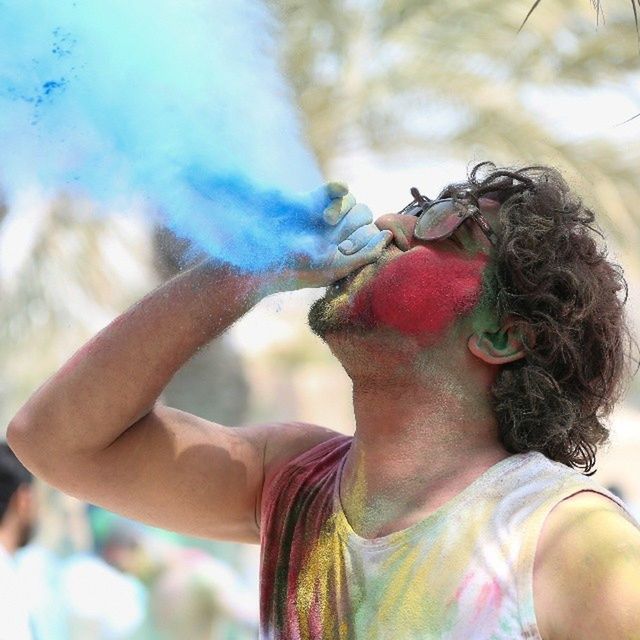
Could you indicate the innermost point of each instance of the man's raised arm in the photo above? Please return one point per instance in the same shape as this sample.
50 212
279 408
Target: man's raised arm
96 431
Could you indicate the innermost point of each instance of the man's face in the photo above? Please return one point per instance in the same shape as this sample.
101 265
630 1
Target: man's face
418 288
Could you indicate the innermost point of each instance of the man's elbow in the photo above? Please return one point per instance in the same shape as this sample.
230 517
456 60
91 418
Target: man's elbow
18 430
36 446
18 436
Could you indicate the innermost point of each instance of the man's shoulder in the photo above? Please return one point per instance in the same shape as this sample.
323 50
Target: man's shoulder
587 571
288 440
284 443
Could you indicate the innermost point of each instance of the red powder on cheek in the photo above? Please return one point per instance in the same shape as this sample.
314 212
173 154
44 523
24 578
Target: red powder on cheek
421 292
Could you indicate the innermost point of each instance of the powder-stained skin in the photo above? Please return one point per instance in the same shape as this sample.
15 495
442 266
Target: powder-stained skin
420 293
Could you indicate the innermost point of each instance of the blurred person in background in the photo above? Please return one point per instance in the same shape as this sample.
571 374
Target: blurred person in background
44 564
102 602
485 336
74 593
17 522
190 593
200 597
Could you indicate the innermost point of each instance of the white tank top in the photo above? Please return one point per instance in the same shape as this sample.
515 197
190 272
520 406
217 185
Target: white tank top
463 573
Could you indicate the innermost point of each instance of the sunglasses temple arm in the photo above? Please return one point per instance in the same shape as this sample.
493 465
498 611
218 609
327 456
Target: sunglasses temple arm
485 228
417 205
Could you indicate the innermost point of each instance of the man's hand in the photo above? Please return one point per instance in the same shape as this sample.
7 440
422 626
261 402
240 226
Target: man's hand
347 240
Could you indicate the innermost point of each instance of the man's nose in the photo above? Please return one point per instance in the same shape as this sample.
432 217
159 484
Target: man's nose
401 226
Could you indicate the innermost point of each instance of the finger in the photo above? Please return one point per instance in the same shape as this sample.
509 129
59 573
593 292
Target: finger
370 253
320 198
358 239
359 216
337 189
374 248
338 208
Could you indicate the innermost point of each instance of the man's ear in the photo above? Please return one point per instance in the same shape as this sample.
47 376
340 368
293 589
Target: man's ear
497 347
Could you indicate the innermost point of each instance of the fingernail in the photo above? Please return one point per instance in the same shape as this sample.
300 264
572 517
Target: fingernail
346 246
337 189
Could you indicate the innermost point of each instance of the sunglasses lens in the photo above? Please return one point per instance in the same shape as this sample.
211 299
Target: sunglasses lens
439 220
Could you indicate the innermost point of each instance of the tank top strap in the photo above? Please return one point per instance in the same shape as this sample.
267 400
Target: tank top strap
574 483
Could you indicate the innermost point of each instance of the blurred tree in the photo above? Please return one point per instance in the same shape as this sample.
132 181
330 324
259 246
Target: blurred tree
65 273
455 79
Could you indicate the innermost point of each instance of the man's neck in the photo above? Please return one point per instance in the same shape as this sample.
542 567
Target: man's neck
420 439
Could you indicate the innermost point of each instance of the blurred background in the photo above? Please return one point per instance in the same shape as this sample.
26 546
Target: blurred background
394 94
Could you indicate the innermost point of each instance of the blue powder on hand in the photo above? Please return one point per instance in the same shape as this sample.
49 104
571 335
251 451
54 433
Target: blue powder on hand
178 103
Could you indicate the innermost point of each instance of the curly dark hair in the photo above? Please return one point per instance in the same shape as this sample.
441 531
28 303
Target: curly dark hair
551 276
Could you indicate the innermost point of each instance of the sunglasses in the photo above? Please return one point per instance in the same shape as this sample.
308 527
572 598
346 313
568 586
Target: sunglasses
439 218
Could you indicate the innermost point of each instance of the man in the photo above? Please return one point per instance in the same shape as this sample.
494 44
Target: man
485 338
17 520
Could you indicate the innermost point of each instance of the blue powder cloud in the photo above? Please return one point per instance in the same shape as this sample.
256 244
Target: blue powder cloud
178 102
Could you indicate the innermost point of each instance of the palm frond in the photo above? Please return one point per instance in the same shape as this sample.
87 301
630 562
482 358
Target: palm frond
634 5
533 8
628 120
597 5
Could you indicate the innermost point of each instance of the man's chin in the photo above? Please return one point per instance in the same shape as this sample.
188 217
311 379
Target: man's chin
323 318
333 312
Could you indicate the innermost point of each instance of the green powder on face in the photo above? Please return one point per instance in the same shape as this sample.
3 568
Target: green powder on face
484 317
